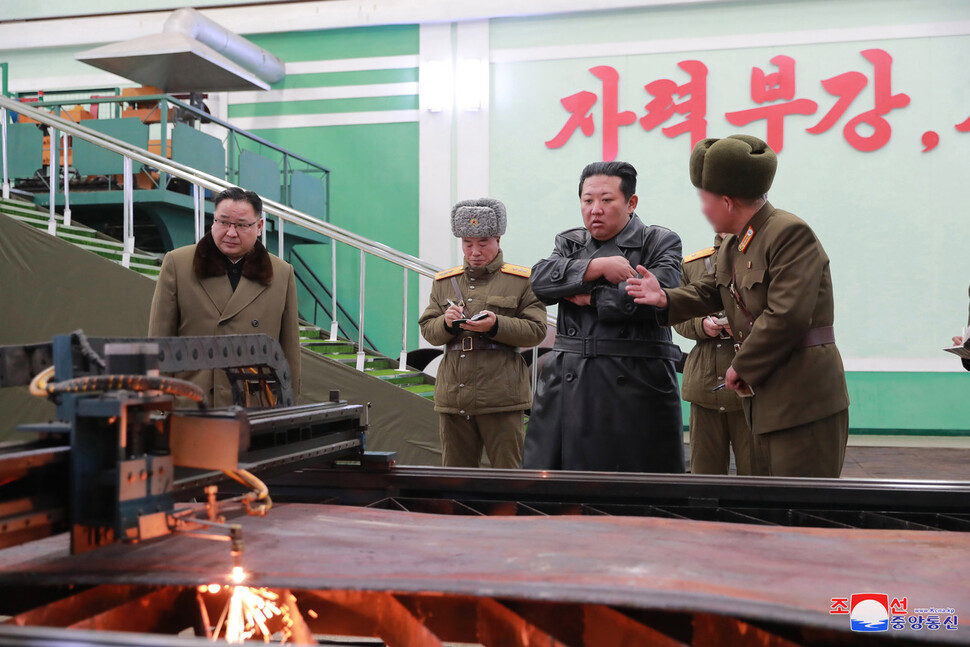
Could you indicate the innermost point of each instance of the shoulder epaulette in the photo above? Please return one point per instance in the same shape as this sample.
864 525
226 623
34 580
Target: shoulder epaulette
517 270
704 253
444 274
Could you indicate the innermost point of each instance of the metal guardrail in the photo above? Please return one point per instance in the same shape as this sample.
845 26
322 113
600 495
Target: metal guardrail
318 304
166 102
61 127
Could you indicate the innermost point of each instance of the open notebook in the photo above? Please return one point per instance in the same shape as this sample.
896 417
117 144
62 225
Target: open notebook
964 349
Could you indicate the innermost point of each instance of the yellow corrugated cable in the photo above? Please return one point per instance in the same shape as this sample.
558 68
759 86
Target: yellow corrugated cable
38 385
258 496
41 387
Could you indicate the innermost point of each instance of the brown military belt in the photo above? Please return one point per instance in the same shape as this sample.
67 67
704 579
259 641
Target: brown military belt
476 343
814 337
595 347
819 336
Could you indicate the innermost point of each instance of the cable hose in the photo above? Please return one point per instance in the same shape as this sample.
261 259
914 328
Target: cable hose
259 494
167 385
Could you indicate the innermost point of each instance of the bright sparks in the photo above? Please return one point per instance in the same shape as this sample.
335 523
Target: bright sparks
250 613
253 613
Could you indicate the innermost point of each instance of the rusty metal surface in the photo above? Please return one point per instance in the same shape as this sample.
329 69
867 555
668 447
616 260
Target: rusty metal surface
768 573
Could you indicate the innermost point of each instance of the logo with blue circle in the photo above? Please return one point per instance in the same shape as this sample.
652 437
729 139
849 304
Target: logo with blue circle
869 612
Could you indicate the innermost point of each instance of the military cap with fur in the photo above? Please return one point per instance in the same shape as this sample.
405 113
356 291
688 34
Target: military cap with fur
481 218
739 165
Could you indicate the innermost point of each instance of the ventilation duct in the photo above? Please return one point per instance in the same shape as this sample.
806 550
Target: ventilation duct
192 54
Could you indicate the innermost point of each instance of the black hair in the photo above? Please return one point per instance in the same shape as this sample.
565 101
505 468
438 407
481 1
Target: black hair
622 170
236 194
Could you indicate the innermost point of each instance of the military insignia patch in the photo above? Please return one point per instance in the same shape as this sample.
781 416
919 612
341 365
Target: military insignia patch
444 274
517 270
748 235
704 253
473 222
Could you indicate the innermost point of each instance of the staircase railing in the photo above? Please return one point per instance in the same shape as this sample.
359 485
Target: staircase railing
317 302
201 181
234 139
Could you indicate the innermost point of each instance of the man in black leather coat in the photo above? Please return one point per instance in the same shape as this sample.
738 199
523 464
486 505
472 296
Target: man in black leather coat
607 397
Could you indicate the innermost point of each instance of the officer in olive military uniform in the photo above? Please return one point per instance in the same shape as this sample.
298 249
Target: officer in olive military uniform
717 423
773 280
483 385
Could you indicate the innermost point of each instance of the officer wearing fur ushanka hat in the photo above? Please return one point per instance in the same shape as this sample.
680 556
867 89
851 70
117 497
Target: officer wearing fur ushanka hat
482 311
773 282
740 166
482 218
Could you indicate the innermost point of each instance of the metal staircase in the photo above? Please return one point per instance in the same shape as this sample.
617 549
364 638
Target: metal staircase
329 345
147 264
375 364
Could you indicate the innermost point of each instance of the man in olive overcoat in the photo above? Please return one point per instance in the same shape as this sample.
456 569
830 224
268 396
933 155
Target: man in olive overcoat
774 284
228 283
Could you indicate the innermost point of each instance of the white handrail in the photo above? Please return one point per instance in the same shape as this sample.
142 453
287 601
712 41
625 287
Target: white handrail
132 153
334 325
198 212
3 134
52 182
128 210
360 317
402 363
67 181
217 184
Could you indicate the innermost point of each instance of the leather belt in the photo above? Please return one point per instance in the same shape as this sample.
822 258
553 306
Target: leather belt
819 336
476 343
814 337
595 347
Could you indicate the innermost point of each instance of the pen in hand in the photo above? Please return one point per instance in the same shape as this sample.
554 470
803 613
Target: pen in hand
459 306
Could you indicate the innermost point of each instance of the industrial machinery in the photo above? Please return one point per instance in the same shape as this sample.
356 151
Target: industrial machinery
358 548
106 468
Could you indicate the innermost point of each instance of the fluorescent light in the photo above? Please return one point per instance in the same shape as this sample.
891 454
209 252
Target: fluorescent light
435 85
472 84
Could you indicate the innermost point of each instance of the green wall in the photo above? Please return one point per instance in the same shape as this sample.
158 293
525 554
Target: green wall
888 218
374 194
374 167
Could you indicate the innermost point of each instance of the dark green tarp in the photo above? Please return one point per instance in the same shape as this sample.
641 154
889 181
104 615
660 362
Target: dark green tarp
50 287
400 421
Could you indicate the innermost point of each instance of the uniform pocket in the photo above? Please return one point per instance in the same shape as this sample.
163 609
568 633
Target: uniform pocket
519 379
754 290
752 278
502 305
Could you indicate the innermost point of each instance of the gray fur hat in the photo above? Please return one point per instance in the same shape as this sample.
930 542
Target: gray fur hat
481 218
